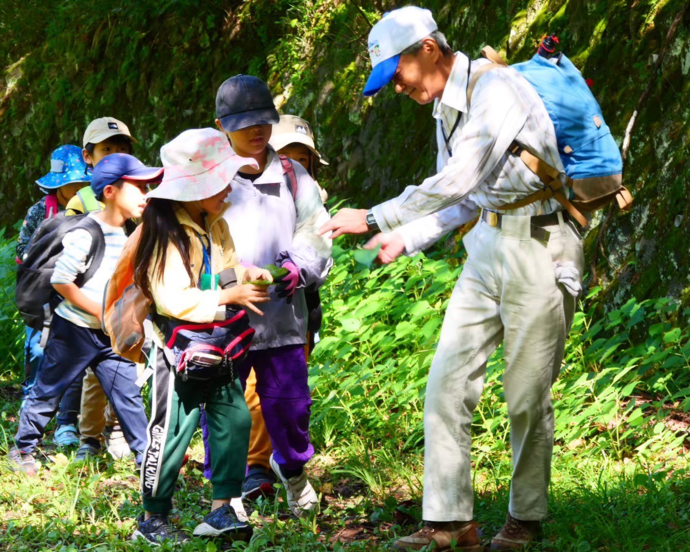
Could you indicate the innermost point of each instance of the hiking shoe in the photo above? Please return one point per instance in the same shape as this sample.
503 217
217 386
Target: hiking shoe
156 530
20 461
86 450
115 443
446 535
66 436
223 522
259 482
300 494
517 534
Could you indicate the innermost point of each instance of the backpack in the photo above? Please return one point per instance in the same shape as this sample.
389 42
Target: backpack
592 161
35 296
125 306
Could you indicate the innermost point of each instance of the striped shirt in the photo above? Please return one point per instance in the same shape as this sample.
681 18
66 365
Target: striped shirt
74 261
479 173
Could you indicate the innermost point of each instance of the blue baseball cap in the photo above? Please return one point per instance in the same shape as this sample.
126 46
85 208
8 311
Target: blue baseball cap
243 101
66 167
121 166
394 33
381 75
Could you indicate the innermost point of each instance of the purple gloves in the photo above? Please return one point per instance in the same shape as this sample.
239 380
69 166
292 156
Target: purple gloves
288 283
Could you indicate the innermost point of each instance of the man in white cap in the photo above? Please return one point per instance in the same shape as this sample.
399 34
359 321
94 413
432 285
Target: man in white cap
508 292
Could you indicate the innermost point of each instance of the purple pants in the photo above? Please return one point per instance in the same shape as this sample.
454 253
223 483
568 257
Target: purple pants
283 389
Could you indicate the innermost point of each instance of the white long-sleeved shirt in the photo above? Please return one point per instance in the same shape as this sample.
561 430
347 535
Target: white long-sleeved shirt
480 173
74 261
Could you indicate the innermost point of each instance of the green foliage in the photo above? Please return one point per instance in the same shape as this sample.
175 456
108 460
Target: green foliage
12 334
626 376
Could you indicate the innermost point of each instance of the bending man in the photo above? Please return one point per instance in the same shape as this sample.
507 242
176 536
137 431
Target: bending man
508 291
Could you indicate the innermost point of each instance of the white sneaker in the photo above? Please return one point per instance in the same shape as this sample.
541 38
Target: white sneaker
237 505
115 443
301 495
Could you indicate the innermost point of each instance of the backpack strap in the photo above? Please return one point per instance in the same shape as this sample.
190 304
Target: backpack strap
493 56
289 174
496 62
51 205
96 251
552 179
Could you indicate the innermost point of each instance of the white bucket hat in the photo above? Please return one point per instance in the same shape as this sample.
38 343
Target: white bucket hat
294 130
199 164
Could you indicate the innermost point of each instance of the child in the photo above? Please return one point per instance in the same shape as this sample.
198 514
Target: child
184 243
103 137
270 226
76 339
68 174
294 138
291 137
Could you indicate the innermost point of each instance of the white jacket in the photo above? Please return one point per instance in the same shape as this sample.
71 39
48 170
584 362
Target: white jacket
268 226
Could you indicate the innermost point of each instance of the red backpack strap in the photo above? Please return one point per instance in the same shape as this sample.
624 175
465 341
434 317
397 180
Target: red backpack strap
289 171
51 205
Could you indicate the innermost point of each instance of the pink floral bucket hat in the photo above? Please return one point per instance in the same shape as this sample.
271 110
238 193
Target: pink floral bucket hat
199 164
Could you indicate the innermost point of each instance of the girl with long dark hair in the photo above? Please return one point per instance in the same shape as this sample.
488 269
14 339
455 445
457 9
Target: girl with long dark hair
185 264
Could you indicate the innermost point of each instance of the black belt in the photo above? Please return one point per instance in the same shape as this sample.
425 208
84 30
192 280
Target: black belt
537 223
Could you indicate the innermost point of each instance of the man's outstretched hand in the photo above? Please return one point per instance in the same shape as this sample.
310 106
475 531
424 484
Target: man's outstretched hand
392 246
346 221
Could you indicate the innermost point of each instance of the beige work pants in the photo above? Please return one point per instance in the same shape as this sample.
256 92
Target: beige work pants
508 293
96 411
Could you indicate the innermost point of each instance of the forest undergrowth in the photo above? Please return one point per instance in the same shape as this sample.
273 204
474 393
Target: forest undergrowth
620 474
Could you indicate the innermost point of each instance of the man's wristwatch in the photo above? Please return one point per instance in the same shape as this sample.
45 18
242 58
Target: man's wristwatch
371 222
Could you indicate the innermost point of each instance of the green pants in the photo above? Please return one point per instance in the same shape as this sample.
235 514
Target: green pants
175 418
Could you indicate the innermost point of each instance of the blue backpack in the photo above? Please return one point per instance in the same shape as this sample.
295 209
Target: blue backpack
592 161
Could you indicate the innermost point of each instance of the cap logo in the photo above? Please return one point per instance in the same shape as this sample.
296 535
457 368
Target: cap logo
57 165
374 49
113 126
301 129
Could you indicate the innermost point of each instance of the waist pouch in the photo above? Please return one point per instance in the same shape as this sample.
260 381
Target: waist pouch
207 351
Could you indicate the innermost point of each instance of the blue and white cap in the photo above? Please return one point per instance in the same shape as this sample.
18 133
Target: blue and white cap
66 167
396 31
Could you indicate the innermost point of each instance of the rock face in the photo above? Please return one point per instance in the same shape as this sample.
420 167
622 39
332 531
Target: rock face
157 65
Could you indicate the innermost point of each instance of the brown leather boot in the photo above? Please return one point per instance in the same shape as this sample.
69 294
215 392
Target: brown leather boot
517 535
462 533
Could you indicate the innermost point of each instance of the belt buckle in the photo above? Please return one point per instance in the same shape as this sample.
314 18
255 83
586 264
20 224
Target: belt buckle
492 219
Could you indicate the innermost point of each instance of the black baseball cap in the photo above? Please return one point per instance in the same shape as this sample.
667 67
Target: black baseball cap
243 101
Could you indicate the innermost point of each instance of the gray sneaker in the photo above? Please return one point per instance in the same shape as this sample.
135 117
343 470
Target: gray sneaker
115 443
157 531
301 496
20 461
86 450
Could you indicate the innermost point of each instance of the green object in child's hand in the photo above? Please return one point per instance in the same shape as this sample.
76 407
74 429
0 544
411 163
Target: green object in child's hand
278 273
265 283
366 257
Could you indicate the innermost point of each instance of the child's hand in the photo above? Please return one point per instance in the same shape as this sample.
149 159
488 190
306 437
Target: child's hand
245 296
256 274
